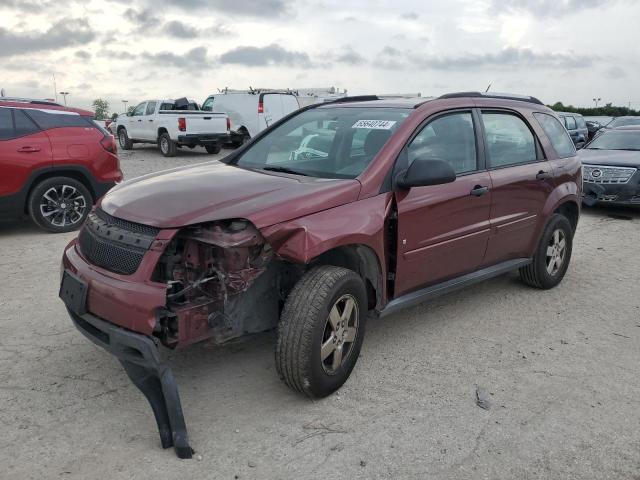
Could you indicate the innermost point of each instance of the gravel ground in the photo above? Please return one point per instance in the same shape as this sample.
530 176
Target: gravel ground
560 369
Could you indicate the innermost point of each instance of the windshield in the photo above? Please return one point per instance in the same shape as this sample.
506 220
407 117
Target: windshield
616 140
622 121
325 142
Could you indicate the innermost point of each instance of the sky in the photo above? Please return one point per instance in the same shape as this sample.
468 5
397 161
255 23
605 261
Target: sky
557 50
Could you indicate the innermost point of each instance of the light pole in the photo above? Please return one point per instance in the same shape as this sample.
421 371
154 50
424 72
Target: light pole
596 100
125 105
64 95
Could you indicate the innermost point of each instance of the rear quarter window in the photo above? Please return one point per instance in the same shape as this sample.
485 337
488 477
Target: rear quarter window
557 135
47 120
6 124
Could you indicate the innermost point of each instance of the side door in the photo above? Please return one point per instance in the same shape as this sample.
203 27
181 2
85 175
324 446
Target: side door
149 129
522 180
443 229
135 128
272 108
24 148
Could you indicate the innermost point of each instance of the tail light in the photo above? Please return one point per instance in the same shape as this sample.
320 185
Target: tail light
260 107
228 124
182 124
108 142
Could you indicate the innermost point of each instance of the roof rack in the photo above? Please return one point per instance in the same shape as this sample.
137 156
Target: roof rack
355 98
28 100
503 96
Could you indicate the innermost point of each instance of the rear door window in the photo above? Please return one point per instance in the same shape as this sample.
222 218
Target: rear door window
23 124
558 136
151 108
6 124
47 119
581 122
508 139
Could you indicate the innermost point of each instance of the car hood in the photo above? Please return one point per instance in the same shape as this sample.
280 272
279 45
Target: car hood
618 158
216 191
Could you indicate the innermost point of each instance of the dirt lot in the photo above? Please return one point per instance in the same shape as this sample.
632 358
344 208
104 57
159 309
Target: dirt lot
561 367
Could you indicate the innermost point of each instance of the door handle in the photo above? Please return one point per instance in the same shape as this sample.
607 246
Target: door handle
28 149
542 175
151 119
479 190
139 119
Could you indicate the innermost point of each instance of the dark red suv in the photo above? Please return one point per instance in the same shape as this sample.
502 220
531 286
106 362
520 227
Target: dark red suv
338 211
55 162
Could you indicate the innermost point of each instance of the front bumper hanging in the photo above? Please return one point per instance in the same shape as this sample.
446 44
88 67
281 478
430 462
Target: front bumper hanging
140 357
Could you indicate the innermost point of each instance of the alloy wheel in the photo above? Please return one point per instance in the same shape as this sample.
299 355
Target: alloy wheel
63 205
556 251
340 332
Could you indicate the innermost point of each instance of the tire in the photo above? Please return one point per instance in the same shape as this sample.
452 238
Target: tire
212 149
50 204
541 273
124 140
245 138
166 145
306 324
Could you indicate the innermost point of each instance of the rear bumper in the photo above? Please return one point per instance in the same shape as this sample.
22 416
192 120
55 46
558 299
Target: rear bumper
203 139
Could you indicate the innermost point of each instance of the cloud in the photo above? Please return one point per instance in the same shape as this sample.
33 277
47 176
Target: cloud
116 54
195 58
391 58
83 55
409 16
545 8
244 8
615 73
178 29
350 57
264 56
26 5
143 20
67 32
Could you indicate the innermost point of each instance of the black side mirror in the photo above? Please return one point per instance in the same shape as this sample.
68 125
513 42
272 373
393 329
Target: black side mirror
424 172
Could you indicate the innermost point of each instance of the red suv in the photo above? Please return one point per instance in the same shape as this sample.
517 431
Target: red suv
338 211
55 162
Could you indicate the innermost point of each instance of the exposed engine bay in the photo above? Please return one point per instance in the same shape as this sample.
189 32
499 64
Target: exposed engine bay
222 282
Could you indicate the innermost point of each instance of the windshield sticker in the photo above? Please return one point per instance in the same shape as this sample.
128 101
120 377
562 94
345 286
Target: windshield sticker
375 124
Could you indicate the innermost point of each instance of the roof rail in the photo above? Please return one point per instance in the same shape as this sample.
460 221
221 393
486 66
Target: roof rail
355 98
503 96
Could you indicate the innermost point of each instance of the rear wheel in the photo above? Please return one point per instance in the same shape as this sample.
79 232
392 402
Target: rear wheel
124 140
167 146
243 139
59 204
212 149
551 260
321 330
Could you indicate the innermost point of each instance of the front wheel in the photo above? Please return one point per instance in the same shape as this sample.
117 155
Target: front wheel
124 140
59 204
551 260
321 330
167 146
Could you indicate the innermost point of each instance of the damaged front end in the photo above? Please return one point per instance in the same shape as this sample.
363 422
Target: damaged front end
222 281
214 280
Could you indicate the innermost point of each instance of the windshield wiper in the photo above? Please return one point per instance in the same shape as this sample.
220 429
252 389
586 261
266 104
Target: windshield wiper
284 170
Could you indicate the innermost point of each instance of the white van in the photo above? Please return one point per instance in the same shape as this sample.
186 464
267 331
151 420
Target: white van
251 111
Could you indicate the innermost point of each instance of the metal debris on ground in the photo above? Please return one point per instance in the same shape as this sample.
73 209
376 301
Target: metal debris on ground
482 398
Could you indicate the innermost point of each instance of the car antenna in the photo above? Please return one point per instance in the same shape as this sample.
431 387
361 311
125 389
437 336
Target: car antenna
488 88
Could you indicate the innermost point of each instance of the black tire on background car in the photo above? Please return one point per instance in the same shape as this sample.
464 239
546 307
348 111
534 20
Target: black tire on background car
321 330
166 145
59 204
551 260
124 140
243 139
213 149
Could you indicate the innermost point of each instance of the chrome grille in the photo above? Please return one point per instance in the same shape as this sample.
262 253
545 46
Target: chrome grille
607 175
114 244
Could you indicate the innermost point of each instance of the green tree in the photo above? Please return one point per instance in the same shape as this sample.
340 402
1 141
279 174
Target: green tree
101 108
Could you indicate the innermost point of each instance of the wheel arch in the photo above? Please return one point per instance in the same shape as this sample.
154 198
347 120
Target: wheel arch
162 130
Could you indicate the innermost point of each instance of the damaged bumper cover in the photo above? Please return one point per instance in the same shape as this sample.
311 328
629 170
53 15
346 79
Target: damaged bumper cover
141 359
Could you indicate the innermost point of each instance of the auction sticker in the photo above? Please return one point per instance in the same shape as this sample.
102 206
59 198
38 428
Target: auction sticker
375 124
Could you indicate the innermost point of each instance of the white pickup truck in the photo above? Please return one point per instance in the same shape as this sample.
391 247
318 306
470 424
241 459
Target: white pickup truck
172 124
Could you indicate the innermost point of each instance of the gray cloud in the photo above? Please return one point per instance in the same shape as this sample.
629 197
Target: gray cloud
66 32
546 8
391 58
144 20
615 73
245 8
83 55
178 29
195 58
350 57
116 54
409 16
263 56
26 5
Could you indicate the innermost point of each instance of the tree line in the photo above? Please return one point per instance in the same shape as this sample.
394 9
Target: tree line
608 110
